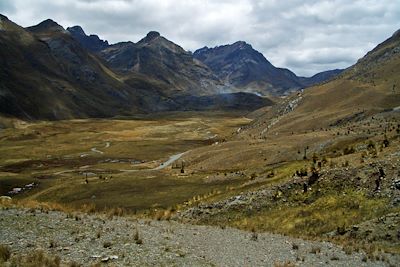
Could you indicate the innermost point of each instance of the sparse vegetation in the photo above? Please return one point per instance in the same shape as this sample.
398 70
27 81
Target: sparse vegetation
136 237
5 253
315 250
107 244
284 264
38 258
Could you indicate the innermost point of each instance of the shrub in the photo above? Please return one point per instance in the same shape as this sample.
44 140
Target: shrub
5 253
386 142
37 258
137 238
254 235
371 145
284 264
107 244
315 250
349 150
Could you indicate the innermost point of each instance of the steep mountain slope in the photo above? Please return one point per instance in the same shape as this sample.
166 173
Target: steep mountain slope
177 72
371 86
91 42
46 74
241 66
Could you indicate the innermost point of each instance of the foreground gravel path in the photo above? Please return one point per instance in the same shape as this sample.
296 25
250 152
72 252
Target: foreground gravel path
92 239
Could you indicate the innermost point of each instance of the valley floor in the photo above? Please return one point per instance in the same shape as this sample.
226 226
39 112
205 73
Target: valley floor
40 235
338 184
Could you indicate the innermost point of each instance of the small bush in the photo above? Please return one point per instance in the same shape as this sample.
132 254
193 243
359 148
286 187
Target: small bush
349 150
5 253
36 258
386 142
371 145
284 264
315 250
137 238
254 235
52 244
107 244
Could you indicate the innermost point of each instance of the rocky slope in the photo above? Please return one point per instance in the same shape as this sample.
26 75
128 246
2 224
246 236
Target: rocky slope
241 66
88 240
158 58
46 74
370 86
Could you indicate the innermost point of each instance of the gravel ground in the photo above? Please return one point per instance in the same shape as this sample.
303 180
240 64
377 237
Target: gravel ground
90 239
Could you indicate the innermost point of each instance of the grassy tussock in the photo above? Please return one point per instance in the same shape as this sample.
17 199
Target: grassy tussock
5 253
36 258
324 215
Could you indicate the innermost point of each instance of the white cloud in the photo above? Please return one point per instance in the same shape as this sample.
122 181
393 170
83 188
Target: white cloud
304 36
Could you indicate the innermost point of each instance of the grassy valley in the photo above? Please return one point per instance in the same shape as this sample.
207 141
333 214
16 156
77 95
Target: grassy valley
115 157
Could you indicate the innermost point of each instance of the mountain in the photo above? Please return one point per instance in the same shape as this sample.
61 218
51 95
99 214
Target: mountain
240 65
320 77
46 74
92 42
229 68
160 59
369 87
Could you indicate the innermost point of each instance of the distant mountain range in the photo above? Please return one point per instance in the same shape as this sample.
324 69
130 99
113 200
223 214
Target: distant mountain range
234 68
52 73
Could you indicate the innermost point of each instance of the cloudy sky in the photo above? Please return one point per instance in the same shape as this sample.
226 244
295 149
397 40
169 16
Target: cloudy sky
306 36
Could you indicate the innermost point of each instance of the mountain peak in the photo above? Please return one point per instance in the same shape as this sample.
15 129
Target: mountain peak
49 23
76 30
150 37
46 25
241 45
92 42
2 17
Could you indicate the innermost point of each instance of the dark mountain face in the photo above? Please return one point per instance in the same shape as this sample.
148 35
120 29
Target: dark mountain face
92 42
46 74
241 66
167 63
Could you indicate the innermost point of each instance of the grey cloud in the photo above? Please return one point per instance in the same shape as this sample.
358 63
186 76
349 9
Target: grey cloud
7 6
304 36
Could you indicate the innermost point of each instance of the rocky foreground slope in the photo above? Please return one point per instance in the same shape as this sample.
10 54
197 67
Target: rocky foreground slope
79 239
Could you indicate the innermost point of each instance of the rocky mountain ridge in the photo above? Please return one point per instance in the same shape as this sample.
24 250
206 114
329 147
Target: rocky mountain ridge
240 65
48 74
